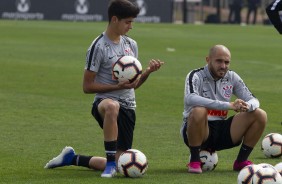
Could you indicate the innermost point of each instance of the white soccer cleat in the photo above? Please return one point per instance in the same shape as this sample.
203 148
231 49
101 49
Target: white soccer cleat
63 159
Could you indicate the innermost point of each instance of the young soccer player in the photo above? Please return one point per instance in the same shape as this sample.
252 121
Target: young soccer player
207 100
114 103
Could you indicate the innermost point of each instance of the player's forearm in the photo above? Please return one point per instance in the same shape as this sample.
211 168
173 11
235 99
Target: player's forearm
196 100
154 65
143 78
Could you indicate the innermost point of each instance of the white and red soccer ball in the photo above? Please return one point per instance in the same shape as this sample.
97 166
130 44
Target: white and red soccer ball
132 163
127 68
272 145
246 174
259 174
263 173
278 167
267 175
209 160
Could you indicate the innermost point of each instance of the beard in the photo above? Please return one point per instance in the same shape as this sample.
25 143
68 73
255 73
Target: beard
218 74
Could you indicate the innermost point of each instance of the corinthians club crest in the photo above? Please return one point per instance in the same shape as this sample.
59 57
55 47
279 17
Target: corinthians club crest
23 5
81 6
227 91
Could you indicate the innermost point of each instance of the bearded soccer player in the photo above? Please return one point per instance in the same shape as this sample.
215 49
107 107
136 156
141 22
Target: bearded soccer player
207 100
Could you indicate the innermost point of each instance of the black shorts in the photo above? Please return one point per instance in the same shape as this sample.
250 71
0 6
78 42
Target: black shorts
219 135
126 123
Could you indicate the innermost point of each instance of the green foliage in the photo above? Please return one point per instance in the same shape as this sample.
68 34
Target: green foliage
44 109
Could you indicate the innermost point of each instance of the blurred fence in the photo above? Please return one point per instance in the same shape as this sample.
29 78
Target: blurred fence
80 10
214 11
156 11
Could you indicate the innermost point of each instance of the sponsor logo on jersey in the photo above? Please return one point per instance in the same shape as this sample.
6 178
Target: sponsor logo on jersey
111 57
221 113
227 91
206 93
224 80
127 50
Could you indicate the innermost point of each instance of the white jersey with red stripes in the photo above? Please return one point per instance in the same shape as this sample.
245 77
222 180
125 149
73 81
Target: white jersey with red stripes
202 90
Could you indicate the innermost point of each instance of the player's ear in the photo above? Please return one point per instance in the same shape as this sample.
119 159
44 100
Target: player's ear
114 19
207 59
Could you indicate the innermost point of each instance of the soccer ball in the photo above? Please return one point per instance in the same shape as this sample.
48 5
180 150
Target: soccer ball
246 174
132 163
266 165
266 175
272 145
209 160
278 167
127 68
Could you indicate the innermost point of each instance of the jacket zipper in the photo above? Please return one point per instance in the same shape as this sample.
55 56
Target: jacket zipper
214 87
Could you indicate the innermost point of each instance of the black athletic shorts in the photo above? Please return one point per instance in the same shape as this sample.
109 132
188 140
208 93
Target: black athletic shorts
126 123
219 135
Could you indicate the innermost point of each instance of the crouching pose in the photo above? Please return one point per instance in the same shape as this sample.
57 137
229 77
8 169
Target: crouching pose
207 100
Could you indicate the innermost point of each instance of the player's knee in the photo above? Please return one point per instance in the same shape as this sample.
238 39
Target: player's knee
111 107
199 111
261 117
198 114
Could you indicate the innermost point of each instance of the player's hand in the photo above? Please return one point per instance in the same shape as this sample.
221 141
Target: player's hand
154 65
128 84
240 106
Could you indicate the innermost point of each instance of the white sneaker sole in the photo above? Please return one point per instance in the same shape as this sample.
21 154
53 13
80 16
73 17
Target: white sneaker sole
54 162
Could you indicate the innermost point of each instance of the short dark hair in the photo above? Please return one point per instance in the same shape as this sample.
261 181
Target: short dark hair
122 9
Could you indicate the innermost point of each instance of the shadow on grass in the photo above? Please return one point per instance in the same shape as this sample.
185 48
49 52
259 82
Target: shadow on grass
71 172
185 171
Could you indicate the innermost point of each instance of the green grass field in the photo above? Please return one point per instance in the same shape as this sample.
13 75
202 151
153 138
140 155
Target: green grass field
43 108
